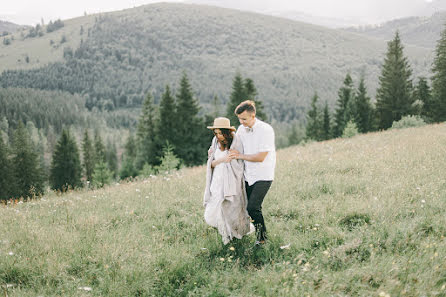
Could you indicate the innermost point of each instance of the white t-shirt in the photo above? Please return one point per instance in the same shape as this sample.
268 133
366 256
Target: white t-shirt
259 139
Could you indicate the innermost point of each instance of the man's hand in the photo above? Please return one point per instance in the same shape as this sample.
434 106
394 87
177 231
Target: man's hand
234 154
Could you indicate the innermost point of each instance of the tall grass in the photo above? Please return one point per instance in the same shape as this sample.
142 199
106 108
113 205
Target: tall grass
363 216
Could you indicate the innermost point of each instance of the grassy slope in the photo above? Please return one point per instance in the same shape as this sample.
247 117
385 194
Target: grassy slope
286 59
361 216
39 50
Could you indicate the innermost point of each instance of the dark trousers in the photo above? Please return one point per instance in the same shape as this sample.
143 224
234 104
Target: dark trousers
256 193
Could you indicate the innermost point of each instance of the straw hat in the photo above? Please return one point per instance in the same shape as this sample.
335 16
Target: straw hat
222 123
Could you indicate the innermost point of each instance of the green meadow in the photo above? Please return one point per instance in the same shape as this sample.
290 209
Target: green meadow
363 216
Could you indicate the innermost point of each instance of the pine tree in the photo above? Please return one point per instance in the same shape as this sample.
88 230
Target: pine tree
5 172
190 145
344 110
394 95
88 154
128 168
66 169
238 95
27 175
326 128
145 135
101 175
364 109
423 95
99 149
314 122
438 111
251 94
167 128
112 158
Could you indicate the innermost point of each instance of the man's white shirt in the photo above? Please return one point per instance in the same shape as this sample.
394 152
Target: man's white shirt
260 138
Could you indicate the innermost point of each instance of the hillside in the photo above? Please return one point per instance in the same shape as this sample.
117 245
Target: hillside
419 31
8 27
347 217
122 55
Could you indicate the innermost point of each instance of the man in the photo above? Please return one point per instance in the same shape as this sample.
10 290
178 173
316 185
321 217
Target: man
259 156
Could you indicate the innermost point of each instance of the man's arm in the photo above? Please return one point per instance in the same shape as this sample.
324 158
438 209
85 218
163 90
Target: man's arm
259 157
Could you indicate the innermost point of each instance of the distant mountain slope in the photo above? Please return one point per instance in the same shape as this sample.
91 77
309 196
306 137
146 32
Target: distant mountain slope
122 55
8 27
420 31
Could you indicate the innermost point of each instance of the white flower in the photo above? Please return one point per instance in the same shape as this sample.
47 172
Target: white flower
11 253
88 289
287 246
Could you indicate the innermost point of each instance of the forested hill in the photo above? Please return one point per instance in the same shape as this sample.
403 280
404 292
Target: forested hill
118 57
420 31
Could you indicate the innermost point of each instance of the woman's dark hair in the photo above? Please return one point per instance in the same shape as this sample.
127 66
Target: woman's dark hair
227 134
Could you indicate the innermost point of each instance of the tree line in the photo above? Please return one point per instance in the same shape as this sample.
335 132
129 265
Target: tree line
168 136
396 97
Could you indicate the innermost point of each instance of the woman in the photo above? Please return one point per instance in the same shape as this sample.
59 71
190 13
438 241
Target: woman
225 196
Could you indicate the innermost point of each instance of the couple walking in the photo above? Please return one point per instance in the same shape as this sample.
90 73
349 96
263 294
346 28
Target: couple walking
240 170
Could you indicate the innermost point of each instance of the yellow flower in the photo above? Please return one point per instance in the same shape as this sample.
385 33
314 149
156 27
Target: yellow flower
232 248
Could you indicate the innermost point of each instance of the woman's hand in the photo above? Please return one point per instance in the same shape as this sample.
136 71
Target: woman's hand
210 152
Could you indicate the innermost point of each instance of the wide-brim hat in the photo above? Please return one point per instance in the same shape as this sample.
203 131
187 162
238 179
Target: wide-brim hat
222 123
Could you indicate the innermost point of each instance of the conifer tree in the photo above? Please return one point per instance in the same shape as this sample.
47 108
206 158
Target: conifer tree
344 106
99 149
101 175
251 94
422 93
27 175
112 158
128 168
190 144
145 135
314 122
438 111
167 127
326 128
5 172
88 154
238 95
364 109
394 95
66 169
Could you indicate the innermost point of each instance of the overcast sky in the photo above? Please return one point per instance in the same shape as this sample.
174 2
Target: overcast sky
28 12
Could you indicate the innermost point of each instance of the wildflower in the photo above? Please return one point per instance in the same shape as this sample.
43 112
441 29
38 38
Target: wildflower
326 253
222 259
423 201
88 289
232 248
383 294
11 253
287 246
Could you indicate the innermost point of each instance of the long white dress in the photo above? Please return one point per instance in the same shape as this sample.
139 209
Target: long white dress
226 213
213 212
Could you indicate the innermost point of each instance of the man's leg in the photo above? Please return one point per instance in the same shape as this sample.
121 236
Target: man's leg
256 193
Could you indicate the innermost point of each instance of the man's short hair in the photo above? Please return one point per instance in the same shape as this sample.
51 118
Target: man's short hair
247 105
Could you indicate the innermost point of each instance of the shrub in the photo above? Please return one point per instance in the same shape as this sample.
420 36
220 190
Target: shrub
350 130
408 121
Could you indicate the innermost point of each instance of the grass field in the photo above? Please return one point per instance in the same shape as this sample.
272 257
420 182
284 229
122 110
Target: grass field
349 217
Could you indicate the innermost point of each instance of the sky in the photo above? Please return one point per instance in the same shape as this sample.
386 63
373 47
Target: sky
26 12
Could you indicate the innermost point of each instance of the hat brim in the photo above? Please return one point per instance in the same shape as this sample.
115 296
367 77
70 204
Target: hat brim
216 127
